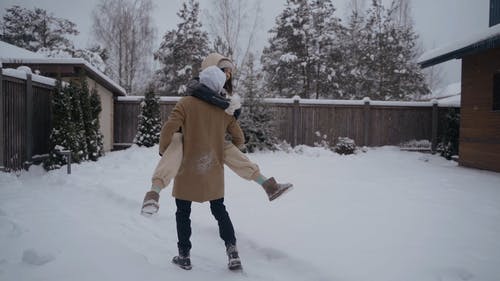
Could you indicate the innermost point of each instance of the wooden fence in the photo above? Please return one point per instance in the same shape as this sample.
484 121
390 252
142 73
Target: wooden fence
368 123
25 119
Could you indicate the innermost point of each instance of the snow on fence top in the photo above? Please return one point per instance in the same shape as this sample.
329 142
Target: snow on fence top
22 73
325 101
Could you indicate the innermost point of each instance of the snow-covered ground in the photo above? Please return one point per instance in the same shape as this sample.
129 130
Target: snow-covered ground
380 215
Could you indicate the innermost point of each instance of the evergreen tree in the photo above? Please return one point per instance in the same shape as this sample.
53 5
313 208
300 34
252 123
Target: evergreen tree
392 71
256 120
149 127
325 55
63 135
78 148
285 59
181 51
36 29
303 55
353 70
95 148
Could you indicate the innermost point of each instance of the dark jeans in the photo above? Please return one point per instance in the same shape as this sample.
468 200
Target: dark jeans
226 230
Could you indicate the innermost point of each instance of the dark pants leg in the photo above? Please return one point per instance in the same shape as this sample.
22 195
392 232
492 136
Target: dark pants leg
226 230
183 225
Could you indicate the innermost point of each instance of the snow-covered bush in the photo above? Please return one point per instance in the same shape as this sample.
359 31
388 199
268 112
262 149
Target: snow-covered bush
322 141
345 146
149 125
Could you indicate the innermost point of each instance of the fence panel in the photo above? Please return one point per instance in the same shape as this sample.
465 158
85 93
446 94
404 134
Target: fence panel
14 118
306 123
42 118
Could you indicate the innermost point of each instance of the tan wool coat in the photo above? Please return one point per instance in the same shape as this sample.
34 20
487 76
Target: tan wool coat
201 175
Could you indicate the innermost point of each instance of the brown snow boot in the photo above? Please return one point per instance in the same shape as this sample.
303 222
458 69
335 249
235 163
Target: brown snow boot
150 204
274 189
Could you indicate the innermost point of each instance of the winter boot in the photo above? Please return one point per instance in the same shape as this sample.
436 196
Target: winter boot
150 204
274 189
234 262
182 260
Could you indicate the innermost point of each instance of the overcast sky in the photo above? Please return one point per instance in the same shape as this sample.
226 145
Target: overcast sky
438 22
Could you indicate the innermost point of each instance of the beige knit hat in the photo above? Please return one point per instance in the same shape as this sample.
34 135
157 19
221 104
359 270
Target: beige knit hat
218 60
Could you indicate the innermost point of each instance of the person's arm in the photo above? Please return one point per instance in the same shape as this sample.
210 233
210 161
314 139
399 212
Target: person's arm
172 125
237 136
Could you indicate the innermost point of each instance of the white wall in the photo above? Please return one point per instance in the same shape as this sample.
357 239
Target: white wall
106 116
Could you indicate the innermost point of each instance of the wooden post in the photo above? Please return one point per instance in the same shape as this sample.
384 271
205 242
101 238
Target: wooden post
366 117
2 120
434 136
295 119
29 117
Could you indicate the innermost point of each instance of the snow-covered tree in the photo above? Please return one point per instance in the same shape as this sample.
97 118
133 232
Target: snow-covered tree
36 29
149 125
285 60
181 51
303 56
125 29
256 120
78 115
353 43
94 135
64 132
325 53
393 73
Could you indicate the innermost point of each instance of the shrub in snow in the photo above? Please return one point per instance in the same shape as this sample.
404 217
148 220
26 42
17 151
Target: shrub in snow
64 133
322 141
75 115
345 146
448 147
257 120
149 125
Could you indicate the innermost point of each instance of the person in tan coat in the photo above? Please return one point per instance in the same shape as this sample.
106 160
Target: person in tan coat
234 158
200 177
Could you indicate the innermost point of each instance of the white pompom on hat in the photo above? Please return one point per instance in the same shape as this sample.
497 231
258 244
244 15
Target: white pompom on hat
213 78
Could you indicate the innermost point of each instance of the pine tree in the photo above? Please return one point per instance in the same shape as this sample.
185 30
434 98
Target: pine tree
149 125
181 51
325 55
285 60
63 135
392 72
36 29
257 119
79 147
95 148
353 70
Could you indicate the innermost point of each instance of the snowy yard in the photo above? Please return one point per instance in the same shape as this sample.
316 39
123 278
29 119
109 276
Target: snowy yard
381 215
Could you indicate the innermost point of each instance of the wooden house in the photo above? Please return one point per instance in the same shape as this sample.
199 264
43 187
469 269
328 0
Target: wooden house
480 87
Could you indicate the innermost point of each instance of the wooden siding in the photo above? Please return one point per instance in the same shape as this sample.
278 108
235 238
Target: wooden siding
480 124
299 123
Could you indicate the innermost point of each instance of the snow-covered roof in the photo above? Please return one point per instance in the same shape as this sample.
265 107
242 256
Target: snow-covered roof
485 39
10 51
15 55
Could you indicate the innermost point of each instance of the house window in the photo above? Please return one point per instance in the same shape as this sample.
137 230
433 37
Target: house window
494 12
496 91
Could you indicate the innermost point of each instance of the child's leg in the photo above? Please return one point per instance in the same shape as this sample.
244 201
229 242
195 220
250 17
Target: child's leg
169 163
165 171
239 162
243 167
